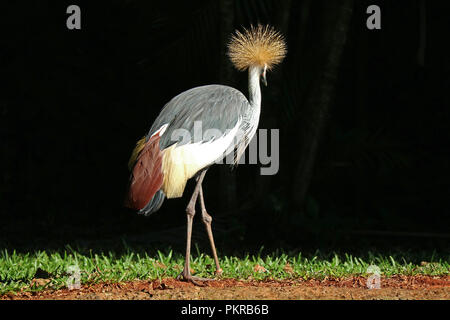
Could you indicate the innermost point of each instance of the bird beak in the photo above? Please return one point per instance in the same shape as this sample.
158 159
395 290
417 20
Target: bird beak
263 79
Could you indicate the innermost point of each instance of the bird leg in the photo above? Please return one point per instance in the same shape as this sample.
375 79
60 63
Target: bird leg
190 212
207 219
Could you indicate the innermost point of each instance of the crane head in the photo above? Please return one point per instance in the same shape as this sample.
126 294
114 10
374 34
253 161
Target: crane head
261 46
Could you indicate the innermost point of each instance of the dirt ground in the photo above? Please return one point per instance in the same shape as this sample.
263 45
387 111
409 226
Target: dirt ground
397 287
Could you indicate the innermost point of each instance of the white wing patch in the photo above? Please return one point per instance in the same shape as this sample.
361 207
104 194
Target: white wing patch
161 130
180 163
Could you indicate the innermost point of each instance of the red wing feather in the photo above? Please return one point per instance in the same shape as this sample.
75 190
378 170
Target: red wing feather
146 177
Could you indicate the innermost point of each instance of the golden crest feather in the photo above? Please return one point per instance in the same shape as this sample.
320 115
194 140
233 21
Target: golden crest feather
261 45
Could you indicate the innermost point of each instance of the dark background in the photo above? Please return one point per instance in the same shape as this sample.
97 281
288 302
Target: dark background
363 118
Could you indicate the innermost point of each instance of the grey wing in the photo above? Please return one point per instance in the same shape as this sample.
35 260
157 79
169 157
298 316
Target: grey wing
212 109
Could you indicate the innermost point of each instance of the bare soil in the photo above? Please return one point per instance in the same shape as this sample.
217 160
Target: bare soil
396 287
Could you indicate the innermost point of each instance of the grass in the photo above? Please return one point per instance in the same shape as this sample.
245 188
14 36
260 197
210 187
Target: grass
17 270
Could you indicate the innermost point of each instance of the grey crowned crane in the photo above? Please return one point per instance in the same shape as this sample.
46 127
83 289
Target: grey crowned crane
163 161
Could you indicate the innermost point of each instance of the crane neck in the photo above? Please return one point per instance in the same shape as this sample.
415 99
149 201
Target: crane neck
254 89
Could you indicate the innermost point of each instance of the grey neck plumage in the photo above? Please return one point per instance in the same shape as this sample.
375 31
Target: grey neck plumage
254 90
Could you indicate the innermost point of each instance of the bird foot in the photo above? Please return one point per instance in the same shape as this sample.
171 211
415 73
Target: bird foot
186 276
218 272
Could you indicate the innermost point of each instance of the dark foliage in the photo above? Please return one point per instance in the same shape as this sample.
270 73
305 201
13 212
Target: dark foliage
73 104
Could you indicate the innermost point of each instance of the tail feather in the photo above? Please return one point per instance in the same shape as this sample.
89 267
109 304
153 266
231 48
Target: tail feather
154 204
146 178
